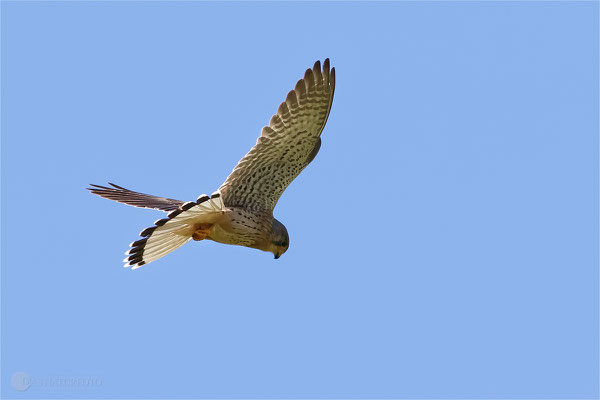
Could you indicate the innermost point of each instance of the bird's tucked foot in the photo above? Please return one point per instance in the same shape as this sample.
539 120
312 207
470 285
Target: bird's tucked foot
202 231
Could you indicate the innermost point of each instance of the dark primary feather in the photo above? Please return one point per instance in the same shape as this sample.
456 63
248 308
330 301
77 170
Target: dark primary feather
136 199
286 146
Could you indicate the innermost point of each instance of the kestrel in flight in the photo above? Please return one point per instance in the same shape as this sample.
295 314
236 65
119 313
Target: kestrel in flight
240 212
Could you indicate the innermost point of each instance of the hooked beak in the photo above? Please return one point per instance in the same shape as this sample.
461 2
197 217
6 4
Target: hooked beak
277 256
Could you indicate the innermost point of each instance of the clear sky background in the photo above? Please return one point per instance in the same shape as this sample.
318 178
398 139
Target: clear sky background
444 243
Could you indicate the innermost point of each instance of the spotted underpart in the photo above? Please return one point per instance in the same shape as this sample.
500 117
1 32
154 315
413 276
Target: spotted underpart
245 227
169 233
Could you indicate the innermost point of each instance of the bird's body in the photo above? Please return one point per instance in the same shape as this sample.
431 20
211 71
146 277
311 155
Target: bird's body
243 227
241 211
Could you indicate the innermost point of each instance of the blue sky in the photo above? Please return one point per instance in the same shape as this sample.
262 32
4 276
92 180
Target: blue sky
444 243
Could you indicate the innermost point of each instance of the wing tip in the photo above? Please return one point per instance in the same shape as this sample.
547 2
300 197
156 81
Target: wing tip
283 109
118 187
291 98
309 79
332 76
317 66
300 88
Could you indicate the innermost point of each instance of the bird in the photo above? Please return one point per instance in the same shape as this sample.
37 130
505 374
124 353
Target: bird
240 211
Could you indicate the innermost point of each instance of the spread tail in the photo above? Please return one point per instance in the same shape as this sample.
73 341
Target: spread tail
170 233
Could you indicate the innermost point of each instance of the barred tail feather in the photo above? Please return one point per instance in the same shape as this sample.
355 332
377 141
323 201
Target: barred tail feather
174 231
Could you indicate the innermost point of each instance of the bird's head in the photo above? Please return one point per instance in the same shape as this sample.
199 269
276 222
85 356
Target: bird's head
279 240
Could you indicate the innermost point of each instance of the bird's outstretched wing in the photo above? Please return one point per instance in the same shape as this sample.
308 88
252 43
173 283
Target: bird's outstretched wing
122 195
286 146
